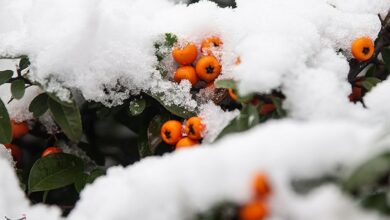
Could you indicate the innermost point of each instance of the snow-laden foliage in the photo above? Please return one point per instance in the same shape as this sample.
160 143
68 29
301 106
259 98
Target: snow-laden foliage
96 46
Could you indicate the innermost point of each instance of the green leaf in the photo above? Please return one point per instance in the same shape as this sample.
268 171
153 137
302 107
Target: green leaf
371 71
170 39
24 63
55 98
54 171
248 118
174 109
85 179
5 76
369 82
153 133
39 105
137 106
142 143
94 175
377 201
368 174
68 118
80 182
278 104
5 125
225 83
386 57
17 89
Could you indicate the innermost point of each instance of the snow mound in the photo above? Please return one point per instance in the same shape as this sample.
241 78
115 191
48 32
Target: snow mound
179 185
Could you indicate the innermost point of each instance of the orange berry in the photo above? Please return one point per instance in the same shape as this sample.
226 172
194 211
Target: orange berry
185 143
171 131
261 186
255 210
363 48
185 55
194 128
238 60
188 73
16 152
51 150
209 43
19 129
208 68
232 94
267 108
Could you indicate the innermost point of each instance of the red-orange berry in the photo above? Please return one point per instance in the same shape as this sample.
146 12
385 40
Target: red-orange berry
16 152
19 129
185 55
194 128
188 73
51 150
208 68
186 142
171 131
363 48
255 210
261 185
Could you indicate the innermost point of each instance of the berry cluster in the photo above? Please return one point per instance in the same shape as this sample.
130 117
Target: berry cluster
172 132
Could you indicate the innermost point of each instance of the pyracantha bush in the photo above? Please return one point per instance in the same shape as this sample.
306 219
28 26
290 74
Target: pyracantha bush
69 142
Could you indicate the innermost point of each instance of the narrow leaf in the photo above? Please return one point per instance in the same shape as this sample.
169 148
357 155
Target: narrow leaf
153 133
5 125
386 57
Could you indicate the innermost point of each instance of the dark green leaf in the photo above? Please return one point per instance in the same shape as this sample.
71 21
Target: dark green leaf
137 106
143 144
55 98
278 104
54 171
225 83
153 133
371 71
174 109
39 105
248 118
170 39
5 76
386 57
5 125
24 62
377 201
68 118
368 174
80 182
17 89
94 175
369 82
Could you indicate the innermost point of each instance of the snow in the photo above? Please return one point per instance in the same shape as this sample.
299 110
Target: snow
179 185
104 50
215 120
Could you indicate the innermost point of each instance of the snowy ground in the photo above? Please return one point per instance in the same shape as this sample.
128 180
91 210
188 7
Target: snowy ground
88 44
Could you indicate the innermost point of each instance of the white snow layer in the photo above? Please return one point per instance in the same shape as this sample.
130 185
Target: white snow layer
95 44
